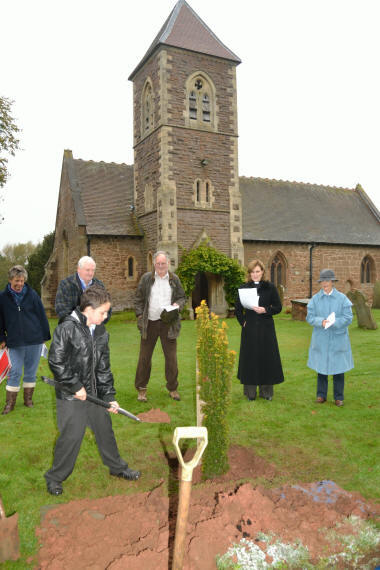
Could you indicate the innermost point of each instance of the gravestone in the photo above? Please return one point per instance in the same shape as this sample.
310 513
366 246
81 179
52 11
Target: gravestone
281 290
376 296
363 312
299 309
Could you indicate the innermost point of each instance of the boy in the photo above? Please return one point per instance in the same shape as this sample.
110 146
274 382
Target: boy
79 360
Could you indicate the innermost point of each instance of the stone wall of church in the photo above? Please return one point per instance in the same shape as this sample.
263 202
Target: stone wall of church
111 254
344 260
69 245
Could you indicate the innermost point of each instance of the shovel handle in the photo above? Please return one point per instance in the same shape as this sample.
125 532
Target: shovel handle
2 512
199 433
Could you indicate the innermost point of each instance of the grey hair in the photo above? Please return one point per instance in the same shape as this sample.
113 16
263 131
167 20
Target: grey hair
86 259
161 253
18 271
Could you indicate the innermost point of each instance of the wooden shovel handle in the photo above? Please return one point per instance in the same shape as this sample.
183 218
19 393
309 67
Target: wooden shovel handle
2 512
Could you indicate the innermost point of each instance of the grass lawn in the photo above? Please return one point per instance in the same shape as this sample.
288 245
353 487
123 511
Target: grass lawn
306 441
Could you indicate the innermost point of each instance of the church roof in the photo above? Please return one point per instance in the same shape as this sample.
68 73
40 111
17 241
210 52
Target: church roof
103 196
185 29
277 210
273 210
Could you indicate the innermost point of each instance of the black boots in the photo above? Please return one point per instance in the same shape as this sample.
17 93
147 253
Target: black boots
10 402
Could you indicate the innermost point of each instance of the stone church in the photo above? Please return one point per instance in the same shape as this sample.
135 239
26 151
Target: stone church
184 189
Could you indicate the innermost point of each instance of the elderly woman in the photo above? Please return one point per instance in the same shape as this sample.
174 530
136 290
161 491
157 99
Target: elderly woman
329 312
23 329
259 360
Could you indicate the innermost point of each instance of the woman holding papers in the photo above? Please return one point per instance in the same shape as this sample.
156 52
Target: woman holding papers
259 360
329 312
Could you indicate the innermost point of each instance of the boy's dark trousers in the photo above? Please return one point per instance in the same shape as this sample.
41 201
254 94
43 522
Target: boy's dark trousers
73 416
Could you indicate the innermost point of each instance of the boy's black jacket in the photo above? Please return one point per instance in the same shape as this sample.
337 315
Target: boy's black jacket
79 359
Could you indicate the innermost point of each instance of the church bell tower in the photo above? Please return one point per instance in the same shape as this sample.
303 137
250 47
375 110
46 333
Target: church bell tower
186 140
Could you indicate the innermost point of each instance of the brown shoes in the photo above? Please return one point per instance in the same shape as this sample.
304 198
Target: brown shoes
174 395
320 400
142 395
28 393
339 403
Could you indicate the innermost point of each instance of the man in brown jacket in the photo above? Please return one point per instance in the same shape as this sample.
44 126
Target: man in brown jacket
158 289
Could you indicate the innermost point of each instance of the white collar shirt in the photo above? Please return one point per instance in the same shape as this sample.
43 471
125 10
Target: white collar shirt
160 296
329 292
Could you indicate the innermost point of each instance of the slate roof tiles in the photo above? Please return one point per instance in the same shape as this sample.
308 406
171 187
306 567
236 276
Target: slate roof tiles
185 29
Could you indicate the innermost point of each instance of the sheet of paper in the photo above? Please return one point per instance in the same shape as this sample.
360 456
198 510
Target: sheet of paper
249 298
44 351
330 320
168 308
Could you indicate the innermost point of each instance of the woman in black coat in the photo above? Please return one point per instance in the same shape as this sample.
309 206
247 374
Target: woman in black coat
259 360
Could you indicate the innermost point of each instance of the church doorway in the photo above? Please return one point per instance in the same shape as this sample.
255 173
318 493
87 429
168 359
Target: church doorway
200 291
210 287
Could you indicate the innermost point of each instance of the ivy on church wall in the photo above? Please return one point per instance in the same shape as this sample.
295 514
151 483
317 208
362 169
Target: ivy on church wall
207 259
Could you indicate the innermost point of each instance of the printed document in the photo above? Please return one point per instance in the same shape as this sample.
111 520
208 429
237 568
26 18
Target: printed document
330 320
249 298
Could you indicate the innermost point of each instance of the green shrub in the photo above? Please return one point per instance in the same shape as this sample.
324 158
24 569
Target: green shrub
215 364
207 259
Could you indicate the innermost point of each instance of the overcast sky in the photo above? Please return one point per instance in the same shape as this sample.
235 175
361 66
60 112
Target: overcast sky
308 91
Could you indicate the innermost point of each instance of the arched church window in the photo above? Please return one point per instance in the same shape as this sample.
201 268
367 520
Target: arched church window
206 108
367 270
192 105
203 194
201 101
130 268
147 108
278 270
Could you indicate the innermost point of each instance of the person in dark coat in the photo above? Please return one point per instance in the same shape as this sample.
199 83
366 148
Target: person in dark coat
23 329
79 360
157 289
71 288
259 360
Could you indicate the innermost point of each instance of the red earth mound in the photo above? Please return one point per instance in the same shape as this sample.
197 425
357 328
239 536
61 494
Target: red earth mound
137 531
154 416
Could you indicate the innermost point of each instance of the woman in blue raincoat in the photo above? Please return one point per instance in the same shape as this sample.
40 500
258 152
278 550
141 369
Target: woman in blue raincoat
329 312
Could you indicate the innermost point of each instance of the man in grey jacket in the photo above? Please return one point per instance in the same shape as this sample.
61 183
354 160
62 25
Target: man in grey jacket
158 289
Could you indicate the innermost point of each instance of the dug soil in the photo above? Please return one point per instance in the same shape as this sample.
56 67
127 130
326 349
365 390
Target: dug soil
137 531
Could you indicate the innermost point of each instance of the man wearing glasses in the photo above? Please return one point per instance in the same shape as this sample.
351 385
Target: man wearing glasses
159 294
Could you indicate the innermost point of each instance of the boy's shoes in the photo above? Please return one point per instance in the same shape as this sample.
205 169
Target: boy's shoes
320 400
339 403
54 488
142 395
128 473
174 395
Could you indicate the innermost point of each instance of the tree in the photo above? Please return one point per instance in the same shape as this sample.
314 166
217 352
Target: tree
14 254
8 141
38 260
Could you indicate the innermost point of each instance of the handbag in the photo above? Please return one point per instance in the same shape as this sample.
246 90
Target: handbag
5 363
